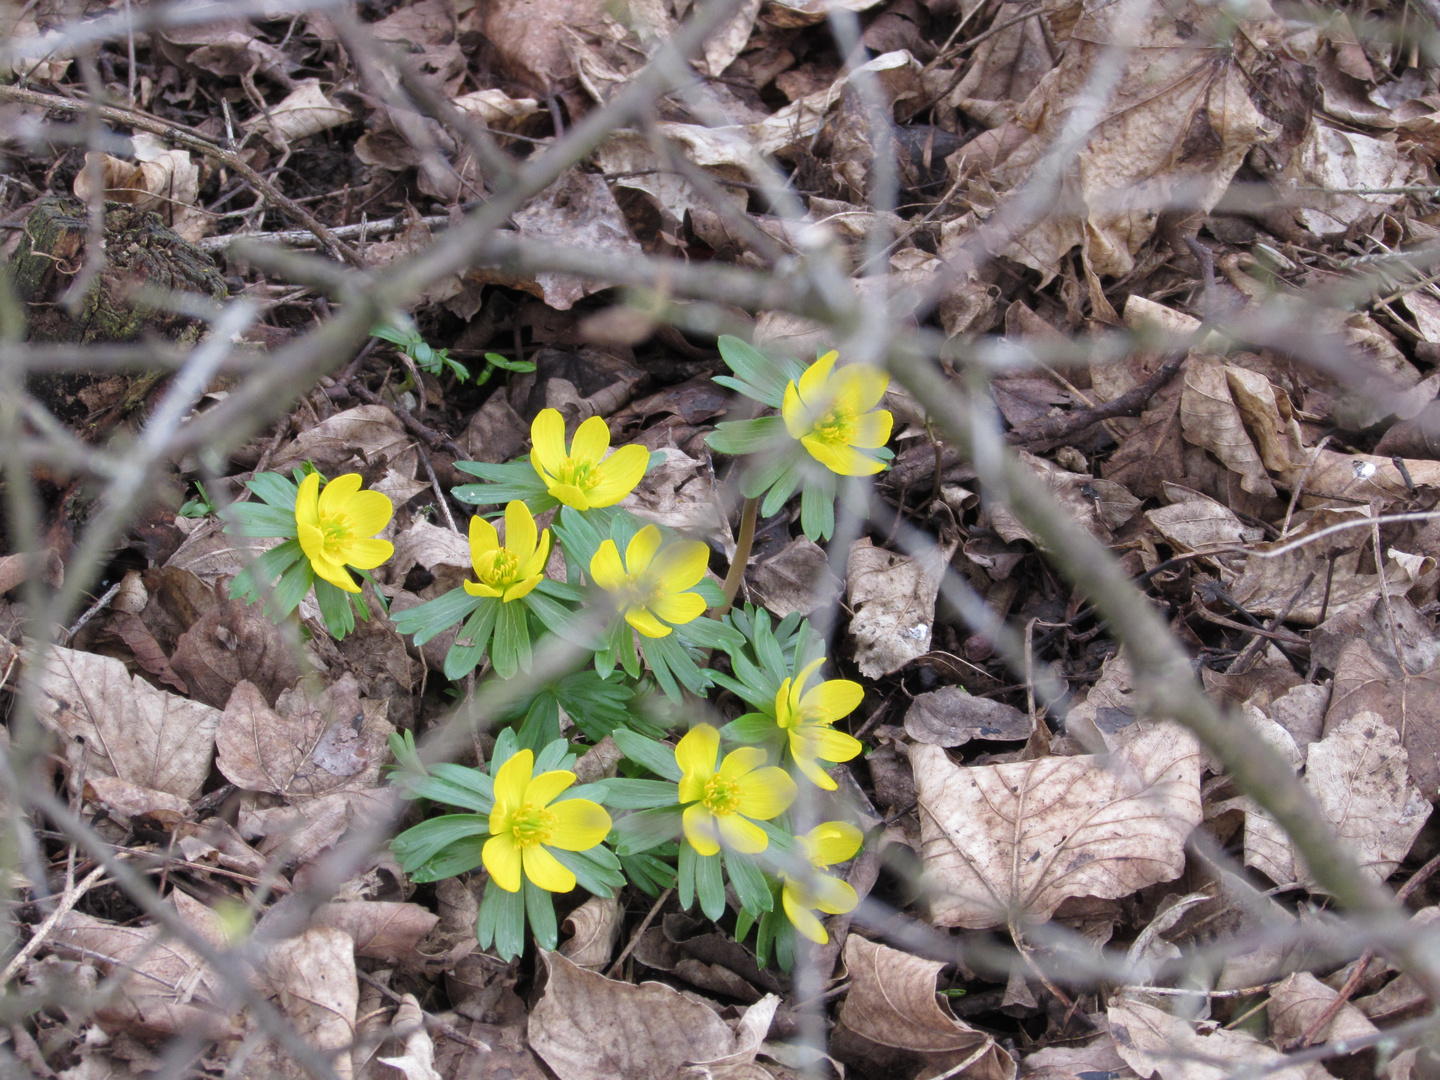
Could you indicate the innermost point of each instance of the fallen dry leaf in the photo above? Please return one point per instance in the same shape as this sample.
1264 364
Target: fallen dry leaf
312 978
305 111
951 717
1156 1044
234 642
892 1001
588 1027
121 726
594 927
418 1061
1011 842
797 578
893 597
307 746
1299 1001
381 929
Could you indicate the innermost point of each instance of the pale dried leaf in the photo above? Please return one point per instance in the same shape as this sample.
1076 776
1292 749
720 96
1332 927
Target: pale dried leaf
306 747
579 211
594 928
797 578
1298 1002
1211 420
346 442
893 597
1014 841
1156 1044
312 978
588 1027
418 1061
1368 680
305 111
381 929
129 729
232 642
951 717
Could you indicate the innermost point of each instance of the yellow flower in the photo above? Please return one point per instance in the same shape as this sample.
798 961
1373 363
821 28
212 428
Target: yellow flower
335 524
833 415
723 799
584 477
807 716
651 583
512 570
527 821
804 894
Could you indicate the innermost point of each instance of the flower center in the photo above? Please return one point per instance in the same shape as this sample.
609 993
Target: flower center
640 591
335 529
721 796
532 825
582 474
503 568
836 426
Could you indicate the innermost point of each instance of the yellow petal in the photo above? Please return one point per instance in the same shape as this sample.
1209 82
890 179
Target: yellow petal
338 493
547 442
814 391
695 754
511 780
808 766
606 570
832 700
475 588
535 564
334 573
798 422
700 829
640 552
766 793
519 530
592 439
579 824
483 539
307 503
681 565
542 790
546 871
312 540
872 429
826 743
570 495
802 918
502 858
641 619
859 387
621 472
833 896
370 511
833 842
740 835
740 761
519 590
368 554
784 715
845 460
797 690
681 608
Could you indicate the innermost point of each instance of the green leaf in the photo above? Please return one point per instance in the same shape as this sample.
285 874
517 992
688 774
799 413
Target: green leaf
510 650
335 608
743 922
765 374
459 858
711 633
294 583
259 577
646 829
509 365
275 489
542 722
817 511
578 536
553 755
672 654
750 885
710 885
424 621
685 882
502 921
513 480
753 727
454 785
655 756
475 634
257 519
623 794
566 624
590 874
506 747
648 873
417 845
740 437
780 492
541 908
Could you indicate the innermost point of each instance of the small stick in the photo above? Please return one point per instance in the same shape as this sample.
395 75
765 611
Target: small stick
431 1020
635 937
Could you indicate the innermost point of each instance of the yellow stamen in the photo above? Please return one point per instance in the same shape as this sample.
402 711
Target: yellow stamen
533 825
721 796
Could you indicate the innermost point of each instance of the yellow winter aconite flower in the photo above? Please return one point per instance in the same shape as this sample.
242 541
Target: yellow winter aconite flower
527 822
833 414
512 569
807 716
723 799
335 527
584 477
651 583
804 894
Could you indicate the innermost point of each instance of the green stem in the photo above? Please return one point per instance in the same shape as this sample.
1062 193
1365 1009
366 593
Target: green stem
743 543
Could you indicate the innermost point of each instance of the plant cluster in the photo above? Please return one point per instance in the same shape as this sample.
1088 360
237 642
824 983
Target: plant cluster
716 805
